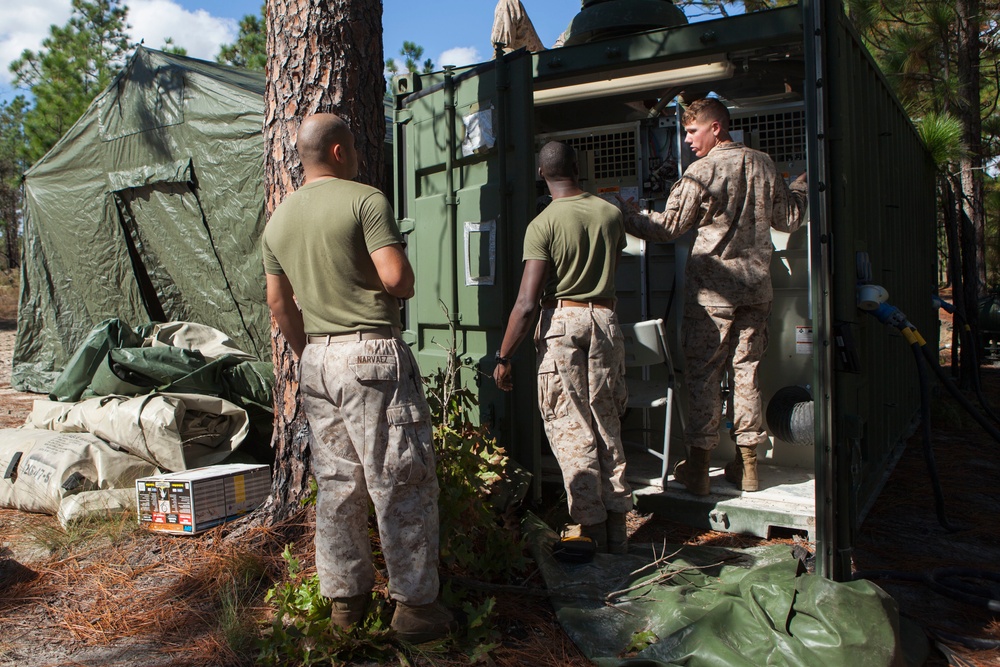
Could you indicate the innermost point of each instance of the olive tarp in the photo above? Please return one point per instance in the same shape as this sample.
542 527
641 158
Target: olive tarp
149 209
709 606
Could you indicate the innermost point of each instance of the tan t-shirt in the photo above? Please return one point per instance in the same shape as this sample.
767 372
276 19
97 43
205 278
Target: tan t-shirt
321 237
581 237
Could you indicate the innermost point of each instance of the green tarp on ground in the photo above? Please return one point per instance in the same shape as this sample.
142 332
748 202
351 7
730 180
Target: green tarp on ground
148 210
716 607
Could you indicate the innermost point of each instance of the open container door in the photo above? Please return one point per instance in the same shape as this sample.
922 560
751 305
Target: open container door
872 207
465 192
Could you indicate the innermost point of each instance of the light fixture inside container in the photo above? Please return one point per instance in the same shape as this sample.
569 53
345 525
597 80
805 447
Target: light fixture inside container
620 82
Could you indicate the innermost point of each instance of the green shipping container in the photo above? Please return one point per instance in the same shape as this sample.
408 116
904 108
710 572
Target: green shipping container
801 88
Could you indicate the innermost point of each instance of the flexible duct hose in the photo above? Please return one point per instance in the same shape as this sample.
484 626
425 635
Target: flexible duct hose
790 415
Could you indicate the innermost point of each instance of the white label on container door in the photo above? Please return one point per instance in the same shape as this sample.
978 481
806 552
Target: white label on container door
803 340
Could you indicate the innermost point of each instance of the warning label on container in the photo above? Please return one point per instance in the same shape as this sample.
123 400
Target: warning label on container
803 340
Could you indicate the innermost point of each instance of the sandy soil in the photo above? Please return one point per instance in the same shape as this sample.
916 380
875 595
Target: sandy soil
14 405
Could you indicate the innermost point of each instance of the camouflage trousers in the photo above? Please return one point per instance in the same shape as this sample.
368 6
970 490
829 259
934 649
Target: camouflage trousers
714 338
582 395
371 433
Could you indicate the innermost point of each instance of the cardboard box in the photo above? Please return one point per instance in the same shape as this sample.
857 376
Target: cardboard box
192 501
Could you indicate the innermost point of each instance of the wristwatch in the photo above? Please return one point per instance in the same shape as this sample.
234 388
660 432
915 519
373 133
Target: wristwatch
500 360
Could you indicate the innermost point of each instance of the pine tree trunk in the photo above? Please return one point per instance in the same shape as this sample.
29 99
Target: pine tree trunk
972 215
321 57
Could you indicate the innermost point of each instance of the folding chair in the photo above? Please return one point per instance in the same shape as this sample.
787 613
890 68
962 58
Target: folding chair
646 346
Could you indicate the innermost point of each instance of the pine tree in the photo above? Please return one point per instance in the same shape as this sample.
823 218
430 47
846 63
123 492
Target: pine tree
321 57
12 164
250 48
76 62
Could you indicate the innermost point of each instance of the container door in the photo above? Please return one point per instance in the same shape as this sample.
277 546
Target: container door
465 192
870 221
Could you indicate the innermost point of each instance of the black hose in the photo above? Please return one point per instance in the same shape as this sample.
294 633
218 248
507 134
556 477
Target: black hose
946 581
977 383
974 643
952 581
959 396
925 427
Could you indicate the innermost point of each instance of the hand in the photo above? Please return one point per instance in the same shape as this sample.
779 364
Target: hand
627 206
503 376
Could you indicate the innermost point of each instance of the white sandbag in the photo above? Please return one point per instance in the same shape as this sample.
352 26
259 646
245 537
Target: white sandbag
211 342
41 467
96 503
174 431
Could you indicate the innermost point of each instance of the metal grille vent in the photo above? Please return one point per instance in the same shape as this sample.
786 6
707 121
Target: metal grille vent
781 135
612 154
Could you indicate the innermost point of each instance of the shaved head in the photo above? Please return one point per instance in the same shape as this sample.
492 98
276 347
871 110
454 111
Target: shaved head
317 135
557 161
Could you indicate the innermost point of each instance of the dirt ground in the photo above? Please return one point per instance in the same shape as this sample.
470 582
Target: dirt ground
121 597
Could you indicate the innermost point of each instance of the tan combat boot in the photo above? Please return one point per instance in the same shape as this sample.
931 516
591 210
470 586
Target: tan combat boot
742 471
345 612
596 532
617 533
693 472
417 624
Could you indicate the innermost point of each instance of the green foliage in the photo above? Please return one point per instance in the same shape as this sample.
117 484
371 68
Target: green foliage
482 635
475 541
301 632
250 48
942 134
170 47
75 63
13 162
412 53
640 641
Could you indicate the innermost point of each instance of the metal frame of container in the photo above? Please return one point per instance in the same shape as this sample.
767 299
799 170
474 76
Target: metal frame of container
872 202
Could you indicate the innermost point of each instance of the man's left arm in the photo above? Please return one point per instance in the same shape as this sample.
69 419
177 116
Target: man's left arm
281 301
394 270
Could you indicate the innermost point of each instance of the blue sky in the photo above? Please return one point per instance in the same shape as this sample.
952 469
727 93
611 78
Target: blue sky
449 30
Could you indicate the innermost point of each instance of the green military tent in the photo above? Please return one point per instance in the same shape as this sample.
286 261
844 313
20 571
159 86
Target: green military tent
148 209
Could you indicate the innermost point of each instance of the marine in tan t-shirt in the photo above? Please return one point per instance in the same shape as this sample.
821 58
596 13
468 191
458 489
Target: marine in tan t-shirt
571 251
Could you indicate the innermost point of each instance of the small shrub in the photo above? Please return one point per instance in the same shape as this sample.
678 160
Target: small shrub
301 632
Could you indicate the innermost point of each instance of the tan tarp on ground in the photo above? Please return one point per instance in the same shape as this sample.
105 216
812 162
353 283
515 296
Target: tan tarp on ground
209 341
55 466
174 431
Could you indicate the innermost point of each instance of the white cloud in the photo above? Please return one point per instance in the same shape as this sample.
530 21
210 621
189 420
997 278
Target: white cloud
458 56
199 32
25 25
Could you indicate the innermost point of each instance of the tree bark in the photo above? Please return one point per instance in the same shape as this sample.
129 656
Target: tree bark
971 214
952 213
322 57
